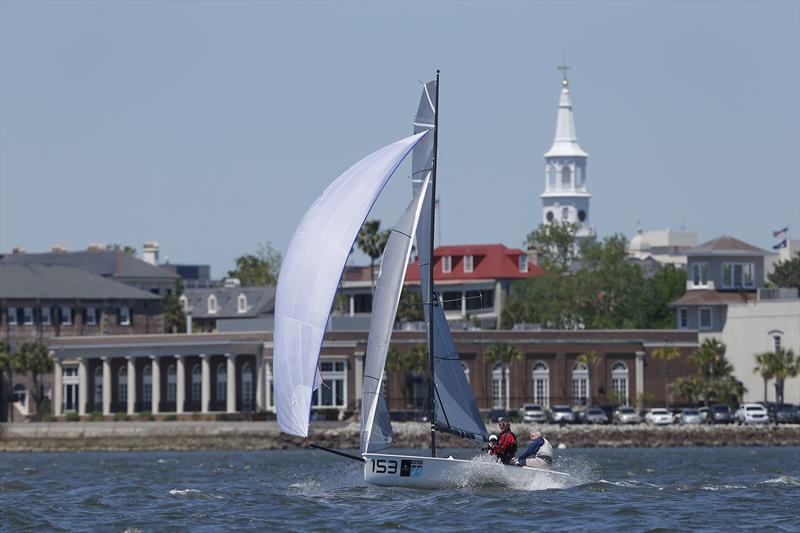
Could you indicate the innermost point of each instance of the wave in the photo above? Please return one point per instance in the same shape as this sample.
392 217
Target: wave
782 481
183 492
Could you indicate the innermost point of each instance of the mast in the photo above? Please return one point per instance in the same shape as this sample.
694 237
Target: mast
431 386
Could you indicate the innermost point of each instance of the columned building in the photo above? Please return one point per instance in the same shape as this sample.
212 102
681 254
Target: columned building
565 198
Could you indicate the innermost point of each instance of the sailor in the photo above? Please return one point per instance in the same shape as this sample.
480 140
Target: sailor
539 454
492 443
506 447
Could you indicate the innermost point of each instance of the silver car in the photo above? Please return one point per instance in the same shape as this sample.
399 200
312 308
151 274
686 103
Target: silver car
691 417
627 415
561 414
532 412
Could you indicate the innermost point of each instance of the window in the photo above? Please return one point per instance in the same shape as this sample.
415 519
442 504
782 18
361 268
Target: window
212 304
184 301
147 385
705 318
155 291
91 316
468 260
736 275
683 318
98 387
27 316
66 316
222 382
197 383
479 299
45 312
69 388
566 175
500 386
122 385
20 395
333 391
541 384
11 316
270 387
241 304
451 300
580 383
124 316
447 264
523 263
172 384
619 382
247 387
776 343
700 274
565 213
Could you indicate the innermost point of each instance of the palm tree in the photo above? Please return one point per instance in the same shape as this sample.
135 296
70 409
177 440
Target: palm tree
787 365
712 365
7 367
506 354
412 362
33 357
372 241
667 354
589 359
765 365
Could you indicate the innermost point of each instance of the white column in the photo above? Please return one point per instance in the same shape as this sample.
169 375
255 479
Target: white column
360 378
180 392
639 375
155 384
206 390
572 177
131 385
463 303
231 392
352 305
83 386
261 381
106 386
57 387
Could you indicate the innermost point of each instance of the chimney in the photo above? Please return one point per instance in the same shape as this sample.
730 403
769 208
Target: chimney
95 247
18 250
533 256
58 248
150 252
231 282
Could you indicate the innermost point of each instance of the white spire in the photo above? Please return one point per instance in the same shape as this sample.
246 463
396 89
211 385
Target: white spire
566 140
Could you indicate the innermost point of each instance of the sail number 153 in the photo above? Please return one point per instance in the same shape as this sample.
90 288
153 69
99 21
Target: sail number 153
384 466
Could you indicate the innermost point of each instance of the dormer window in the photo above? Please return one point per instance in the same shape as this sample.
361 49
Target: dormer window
241 304
212 304
468 261
447 264
700 274
523 263
735 275
184 301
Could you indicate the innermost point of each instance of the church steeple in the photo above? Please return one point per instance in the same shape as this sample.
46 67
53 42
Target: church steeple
565 198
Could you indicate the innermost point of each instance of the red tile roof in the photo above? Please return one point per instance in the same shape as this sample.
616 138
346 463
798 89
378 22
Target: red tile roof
490 261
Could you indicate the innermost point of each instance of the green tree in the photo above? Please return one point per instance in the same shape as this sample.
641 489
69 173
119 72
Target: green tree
786 273
555 244
667 284
715 372
372 241
783 364
174 316
502 353
667 354
7 369
690 388
548 300
259 269
765 363
410 307
33 357
590 359
413 362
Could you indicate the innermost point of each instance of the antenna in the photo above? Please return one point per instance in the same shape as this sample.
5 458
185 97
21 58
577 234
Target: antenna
564 68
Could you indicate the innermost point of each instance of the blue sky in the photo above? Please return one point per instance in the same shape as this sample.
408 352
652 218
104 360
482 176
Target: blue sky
211 127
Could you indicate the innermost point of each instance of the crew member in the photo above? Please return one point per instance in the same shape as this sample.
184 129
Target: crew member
539 454
506 448
492 444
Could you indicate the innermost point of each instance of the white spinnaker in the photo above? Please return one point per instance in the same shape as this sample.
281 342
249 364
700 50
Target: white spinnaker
376 430
310 274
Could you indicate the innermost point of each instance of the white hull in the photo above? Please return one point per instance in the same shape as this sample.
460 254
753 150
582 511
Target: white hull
421 472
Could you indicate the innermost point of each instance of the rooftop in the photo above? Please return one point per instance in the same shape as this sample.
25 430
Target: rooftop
726 246
490 261
107 263
260 301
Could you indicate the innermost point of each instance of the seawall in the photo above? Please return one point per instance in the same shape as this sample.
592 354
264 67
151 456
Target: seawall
141 436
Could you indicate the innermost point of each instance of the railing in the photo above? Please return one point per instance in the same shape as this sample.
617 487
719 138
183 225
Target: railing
778 293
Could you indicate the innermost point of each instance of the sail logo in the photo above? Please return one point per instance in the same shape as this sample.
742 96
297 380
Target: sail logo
411 467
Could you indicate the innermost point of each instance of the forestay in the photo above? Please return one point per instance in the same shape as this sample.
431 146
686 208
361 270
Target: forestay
310 274
456 410
376 429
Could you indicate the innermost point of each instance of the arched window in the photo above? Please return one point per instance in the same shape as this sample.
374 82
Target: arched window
566 177
580 383
21 395
184 301
247 387
197 383
212 304
466 370
147 385
222 382
122 385
172 384
241 304
98 388
541 384
619 382
500 386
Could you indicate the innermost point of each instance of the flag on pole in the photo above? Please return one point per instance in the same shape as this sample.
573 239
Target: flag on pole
780 233
780 245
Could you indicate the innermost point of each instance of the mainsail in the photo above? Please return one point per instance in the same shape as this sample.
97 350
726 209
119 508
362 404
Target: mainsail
376 430
310 274
456 410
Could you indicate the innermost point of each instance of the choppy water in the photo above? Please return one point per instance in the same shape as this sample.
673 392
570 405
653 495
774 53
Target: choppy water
638 489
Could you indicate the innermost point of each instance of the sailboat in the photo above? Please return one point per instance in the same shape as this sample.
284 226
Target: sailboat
306 288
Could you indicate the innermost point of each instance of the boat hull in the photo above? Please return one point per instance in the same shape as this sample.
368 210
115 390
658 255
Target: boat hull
414 471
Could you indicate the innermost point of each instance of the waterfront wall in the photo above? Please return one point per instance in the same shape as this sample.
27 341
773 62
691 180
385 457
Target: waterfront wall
142 436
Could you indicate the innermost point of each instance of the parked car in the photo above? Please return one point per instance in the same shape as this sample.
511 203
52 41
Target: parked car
627 415
497 414
782 413
752 413
704 411
720 414
691 417
532 412
562 414
594 415
658 417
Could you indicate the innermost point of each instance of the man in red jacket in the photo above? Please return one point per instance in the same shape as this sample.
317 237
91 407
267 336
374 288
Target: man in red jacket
506 447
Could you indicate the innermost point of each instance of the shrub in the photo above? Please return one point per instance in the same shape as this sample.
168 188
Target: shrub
120 416
49 418
96 416
146 415
71 417
170 418
195 416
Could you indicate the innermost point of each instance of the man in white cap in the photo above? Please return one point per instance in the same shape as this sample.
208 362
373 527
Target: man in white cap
492 443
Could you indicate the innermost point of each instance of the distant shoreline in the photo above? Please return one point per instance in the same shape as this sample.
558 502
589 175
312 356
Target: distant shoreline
165 436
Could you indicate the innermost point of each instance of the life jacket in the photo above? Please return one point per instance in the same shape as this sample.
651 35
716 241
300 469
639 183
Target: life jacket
510 452
545 450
